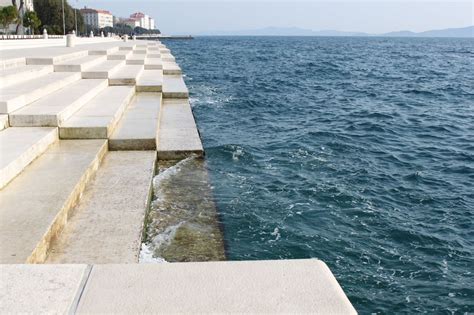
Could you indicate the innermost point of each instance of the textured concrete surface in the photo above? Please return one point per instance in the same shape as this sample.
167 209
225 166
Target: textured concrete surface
138 127
37 203
103 70
23 73
40 289
257 287
178 136
174 87
58 106
78 64
107 224
16 96
150 81
126 75
171 68
19 147
98 118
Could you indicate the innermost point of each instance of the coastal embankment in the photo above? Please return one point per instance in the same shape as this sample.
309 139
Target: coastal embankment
103 175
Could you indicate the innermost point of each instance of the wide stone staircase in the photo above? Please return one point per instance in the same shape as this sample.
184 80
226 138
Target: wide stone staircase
80 135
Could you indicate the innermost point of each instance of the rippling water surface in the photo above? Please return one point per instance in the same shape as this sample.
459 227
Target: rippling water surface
357 151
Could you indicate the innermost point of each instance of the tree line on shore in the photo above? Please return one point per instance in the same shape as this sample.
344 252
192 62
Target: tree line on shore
48 15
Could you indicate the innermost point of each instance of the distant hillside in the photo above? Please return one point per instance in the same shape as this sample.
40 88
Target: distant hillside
294 31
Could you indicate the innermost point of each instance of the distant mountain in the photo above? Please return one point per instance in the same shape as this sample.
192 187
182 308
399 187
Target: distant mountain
294 31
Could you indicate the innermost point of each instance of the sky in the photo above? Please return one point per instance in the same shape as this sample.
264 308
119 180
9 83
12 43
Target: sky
178 17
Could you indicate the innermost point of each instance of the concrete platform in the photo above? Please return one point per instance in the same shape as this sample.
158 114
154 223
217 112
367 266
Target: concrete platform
79 64
102 70
171 68
153 63
16 96
121 190
178 135
19 147
239 287
174 87
150 81
98 118
47 60
4 124
24 73
40 289
136 59
139 125
259 287
120 55
126 75
57 107
36 204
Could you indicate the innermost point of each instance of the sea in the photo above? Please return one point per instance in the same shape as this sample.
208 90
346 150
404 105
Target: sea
358 151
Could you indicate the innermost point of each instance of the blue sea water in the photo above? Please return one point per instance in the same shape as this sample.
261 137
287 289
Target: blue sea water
356 151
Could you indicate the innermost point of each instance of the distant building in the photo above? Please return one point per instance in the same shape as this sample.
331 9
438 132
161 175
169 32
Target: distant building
142 20
97 18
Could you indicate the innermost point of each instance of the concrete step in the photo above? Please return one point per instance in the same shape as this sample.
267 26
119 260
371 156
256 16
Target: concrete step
171 68
19 147
4 124
102 70
178 136
153 55
116 201
140 51
12 63
16 96
174 87
153 63
136 59
56 59
24 73
103 52
36 205
120 55
79 64
150 81
139 125
98 118
165 51
167 57
130 47
58 106
126 75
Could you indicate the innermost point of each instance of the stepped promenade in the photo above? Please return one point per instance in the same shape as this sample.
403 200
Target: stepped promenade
82 129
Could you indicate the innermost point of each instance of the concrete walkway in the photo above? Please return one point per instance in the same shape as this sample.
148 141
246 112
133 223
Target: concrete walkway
270 287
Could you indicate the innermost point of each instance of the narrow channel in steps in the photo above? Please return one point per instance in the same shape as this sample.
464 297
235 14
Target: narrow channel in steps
182 223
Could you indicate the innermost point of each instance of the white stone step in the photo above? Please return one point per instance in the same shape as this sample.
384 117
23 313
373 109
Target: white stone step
4 124
171 68
178 135
56 107
139 125
36 204
20 74
174 87
131 47
79 64
19 147
126 75
136 59
103 70
16 96
150 81
98 118
103 52
56 59
108 222
153 55
164 51
153 63
12 63
120 55
140 51
167 57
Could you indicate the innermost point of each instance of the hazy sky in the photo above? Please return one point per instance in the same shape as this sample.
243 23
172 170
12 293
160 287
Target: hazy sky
196 16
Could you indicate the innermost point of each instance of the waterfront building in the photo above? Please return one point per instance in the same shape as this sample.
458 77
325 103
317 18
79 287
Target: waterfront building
142 20
97 18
